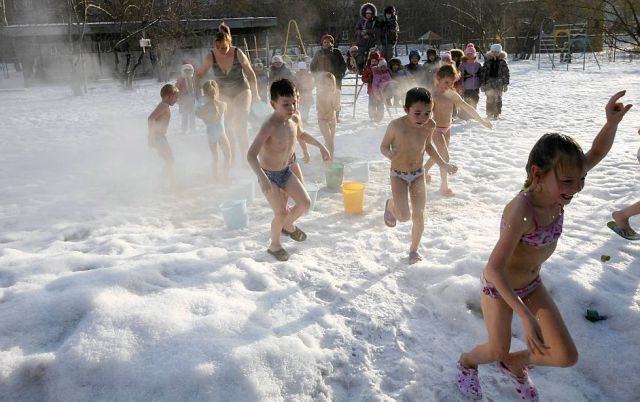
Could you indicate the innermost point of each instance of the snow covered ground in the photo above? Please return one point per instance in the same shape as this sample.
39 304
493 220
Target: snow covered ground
112 290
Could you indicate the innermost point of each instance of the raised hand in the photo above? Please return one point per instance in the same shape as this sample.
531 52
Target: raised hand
616 110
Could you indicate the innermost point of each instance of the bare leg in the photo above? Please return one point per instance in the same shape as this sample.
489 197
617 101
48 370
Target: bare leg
399 204
325 129
295 190
418 201
274 197
240 113
440 141
622 217
226 152
213 147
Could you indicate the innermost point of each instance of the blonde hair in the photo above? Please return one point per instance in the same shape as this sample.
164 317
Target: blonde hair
223 34
168 90
448 70
210 89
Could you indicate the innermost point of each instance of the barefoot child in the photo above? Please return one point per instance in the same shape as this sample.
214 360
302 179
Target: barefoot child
158 122
405 142
270 156
328 106
531 225
620 223
445 99
212 113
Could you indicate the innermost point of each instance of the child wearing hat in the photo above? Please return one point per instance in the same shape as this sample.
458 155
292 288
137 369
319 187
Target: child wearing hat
187 97
303 80
414 69
470 72
494 79
278 70
262 78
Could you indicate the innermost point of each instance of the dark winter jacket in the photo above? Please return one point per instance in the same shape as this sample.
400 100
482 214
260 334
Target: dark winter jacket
389 30
367 30
330 60
495 72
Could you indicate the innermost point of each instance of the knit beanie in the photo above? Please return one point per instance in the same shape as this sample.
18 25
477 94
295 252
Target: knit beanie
327 36
496 47
470 50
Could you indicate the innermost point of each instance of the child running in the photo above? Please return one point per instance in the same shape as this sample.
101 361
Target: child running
158 122
445 99
405 142
328 107
530 228
620 223
270 156
212 113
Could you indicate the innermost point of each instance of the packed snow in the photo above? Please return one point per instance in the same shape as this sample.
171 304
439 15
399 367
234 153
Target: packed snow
112 289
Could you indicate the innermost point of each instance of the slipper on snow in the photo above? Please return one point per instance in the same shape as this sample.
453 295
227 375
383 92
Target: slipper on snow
281 254
628 234
297 234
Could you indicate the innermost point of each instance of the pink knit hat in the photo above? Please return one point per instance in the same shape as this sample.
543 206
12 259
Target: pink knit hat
470 50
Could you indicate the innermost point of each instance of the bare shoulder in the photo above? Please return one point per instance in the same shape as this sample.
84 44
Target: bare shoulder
161 109
518 212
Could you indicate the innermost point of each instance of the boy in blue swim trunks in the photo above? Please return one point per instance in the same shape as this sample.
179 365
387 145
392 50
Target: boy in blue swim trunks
270 157
405 142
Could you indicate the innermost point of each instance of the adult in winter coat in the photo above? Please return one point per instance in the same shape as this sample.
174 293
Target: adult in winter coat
389 32
494 79
367 30
329 59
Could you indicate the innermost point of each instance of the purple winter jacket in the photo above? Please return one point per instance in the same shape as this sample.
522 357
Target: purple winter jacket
470 73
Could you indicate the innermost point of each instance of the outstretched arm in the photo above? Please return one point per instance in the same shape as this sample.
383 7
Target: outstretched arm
251 75
435 155
465 107
202 69
306 138
604 140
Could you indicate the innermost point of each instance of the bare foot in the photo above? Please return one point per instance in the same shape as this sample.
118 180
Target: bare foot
427 178
621 221
447 192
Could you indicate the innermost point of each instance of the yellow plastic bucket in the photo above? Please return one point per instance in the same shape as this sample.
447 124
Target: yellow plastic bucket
353 193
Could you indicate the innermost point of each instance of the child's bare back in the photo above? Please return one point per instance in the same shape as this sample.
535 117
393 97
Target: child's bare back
408 143
279 144
159 119
328 105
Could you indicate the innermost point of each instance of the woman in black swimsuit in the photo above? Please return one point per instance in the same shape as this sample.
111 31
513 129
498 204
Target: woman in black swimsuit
237 83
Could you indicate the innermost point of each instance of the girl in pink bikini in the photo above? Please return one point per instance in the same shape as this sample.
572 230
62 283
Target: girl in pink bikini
531 225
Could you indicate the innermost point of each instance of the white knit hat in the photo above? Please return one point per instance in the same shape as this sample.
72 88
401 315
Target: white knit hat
496 47
382 63
277 59
302 65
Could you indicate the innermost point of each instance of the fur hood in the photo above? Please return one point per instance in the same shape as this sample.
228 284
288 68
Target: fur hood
366 6
501 56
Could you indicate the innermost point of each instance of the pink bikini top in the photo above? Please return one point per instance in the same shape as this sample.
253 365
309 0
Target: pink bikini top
543 235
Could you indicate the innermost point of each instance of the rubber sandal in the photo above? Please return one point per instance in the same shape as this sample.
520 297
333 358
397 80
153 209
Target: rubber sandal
628 234
389 219
468 382
297 234
281 254
414 257
524 386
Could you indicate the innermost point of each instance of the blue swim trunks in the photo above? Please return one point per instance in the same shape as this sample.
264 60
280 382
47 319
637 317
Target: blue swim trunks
279 177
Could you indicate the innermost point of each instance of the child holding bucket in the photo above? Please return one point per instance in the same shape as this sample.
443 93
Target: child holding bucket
270 156
447 100
405 142
158 123
212 113
328 107
532 223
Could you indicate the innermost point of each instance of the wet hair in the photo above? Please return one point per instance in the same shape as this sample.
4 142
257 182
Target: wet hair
223 34
210 89
168 90
448 70
552 152
415 95
282 87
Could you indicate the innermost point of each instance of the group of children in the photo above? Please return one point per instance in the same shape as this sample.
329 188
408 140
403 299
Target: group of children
389 80
531 223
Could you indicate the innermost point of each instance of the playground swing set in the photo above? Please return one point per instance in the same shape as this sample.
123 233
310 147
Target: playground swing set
563 39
